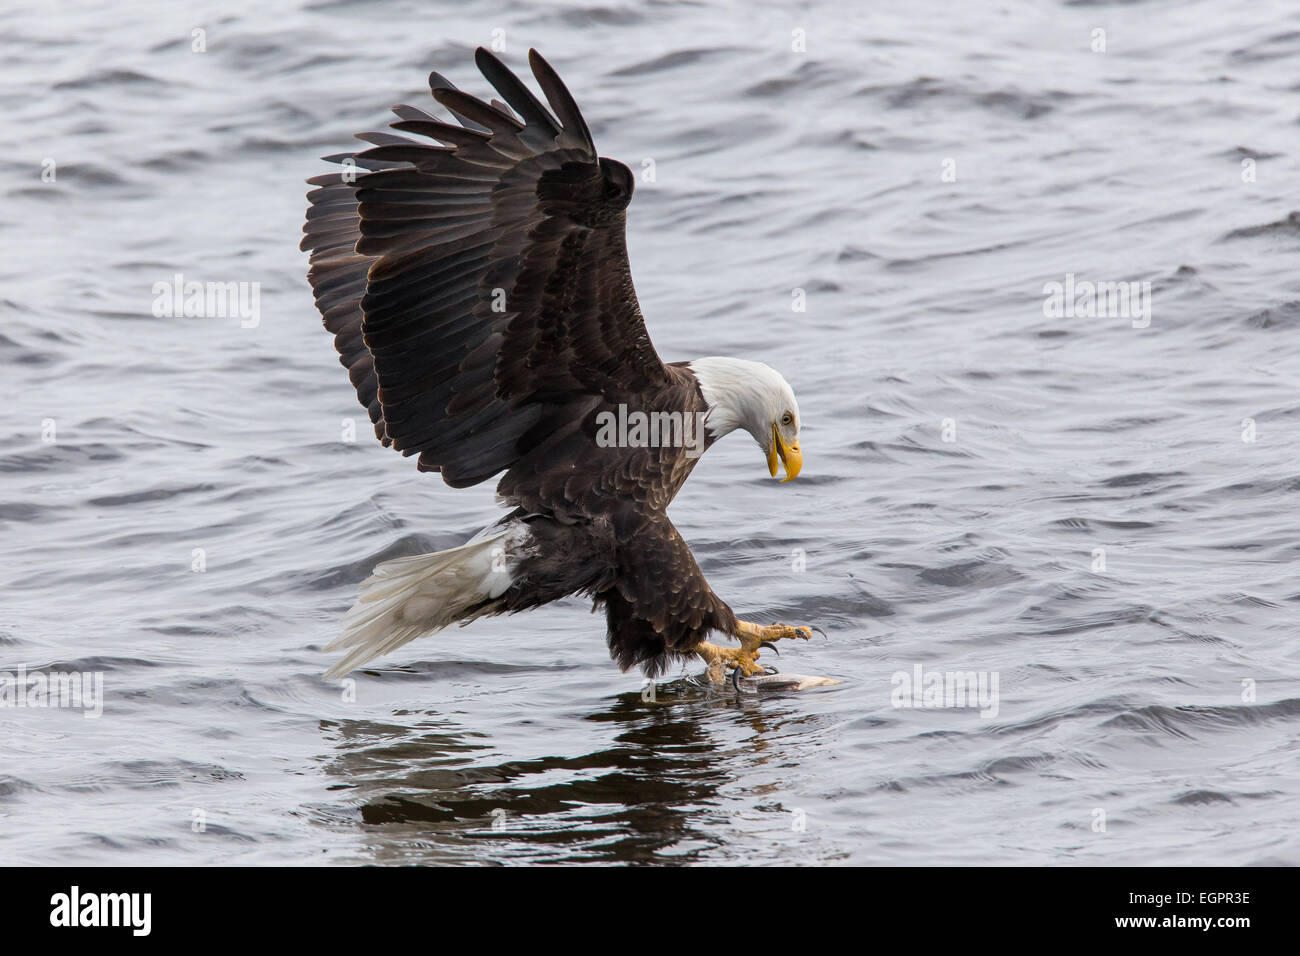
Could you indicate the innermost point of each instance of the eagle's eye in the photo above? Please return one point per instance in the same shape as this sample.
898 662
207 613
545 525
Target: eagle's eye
787 419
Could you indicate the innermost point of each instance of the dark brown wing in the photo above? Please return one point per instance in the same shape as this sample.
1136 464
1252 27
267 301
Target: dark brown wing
479 291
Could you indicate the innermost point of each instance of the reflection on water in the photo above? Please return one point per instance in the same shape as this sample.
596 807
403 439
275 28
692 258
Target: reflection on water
425 792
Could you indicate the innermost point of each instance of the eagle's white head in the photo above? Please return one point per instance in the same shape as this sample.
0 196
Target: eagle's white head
752 396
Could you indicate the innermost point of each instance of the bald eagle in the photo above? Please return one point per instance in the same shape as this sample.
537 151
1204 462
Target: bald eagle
475 278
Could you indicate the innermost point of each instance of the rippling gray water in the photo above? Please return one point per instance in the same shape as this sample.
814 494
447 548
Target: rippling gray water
1098 515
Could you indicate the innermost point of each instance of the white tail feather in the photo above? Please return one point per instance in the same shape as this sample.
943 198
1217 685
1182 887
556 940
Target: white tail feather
410 597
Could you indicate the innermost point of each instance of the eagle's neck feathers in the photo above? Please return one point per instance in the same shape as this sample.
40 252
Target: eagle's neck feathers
741 394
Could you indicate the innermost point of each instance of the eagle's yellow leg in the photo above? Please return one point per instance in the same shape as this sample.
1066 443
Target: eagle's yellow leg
745 657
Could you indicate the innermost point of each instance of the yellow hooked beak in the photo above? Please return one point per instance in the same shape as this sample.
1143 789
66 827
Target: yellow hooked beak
790 456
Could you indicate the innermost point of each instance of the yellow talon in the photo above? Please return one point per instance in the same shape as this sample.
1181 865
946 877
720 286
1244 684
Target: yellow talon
744 658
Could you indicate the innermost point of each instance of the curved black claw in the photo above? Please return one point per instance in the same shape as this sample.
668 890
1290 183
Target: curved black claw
735 674
814 627
772 646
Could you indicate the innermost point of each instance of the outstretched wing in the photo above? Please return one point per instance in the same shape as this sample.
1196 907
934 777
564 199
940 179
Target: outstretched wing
477 285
